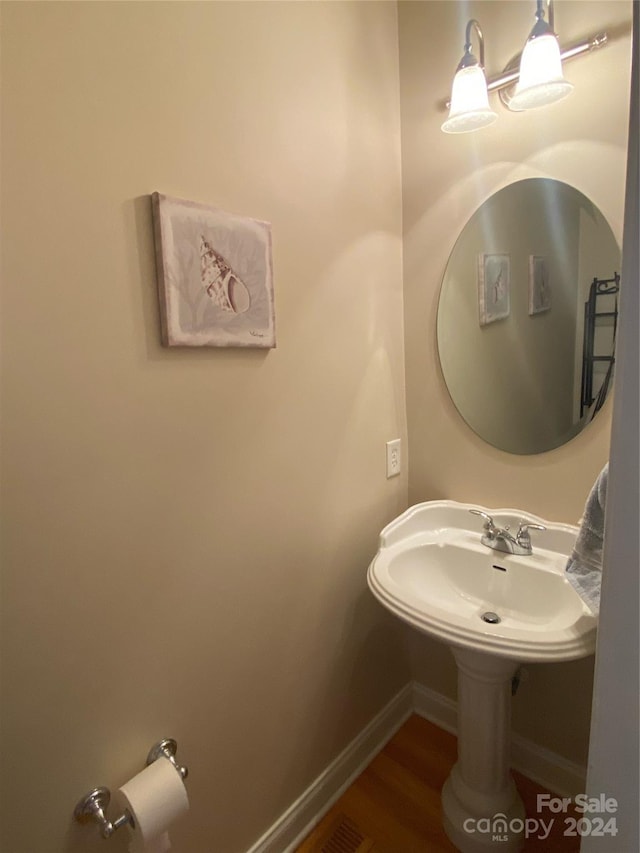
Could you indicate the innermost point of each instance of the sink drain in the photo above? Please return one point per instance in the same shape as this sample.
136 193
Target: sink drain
490 617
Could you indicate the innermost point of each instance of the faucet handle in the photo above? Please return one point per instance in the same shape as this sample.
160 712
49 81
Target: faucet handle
522 537
489 524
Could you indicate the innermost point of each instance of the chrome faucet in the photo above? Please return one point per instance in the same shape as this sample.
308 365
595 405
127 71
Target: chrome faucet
500 539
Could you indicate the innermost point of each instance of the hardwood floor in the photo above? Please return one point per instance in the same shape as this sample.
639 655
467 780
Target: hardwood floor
394 805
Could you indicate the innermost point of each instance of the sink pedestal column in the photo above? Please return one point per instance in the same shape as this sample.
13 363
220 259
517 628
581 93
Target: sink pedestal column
482 809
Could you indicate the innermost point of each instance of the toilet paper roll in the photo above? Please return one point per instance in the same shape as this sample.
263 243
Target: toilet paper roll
155 798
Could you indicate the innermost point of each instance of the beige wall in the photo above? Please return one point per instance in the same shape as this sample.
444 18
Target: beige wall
186 533
581 141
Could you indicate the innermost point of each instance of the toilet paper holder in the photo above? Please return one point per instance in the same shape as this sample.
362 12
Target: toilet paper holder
92 807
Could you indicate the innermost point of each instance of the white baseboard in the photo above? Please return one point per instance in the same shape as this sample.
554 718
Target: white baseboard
435 707
300 818
541 765
547 768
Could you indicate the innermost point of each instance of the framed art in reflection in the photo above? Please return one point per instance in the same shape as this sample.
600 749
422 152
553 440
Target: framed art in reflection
539 289
494 283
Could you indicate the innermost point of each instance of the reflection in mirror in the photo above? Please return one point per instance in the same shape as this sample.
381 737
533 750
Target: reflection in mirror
527 316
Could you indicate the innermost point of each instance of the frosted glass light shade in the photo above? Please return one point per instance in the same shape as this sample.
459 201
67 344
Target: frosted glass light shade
470 108
541 80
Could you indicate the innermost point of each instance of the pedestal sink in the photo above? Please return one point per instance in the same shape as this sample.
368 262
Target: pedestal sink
495 610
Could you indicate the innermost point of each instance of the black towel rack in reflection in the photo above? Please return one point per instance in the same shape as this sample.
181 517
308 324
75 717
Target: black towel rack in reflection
593 318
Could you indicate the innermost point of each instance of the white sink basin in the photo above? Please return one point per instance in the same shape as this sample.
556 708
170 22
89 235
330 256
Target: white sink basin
432 571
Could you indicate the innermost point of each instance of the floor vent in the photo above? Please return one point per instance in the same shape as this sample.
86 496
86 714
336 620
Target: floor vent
346 838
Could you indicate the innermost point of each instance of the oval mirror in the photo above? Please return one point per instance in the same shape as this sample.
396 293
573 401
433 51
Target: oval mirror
527 316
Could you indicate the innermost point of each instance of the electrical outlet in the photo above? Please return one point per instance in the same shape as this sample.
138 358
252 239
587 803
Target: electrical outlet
394 458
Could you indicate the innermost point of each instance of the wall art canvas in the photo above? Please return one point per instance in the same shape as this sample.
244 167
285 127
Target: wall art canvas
494 282
539 290
215 279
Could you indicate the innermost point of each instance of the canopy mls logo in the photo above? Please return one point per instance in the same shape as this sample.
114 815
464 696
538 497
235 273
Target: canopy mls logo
597 823
500 828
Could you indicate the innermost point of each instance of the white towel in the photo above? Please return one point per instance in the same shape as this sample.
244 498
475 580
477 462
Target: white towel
584 567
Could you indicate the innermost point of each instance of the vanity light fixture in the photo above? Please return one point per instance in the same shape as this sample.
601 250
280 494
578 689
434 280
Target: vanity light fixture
470 108
541 80
536 75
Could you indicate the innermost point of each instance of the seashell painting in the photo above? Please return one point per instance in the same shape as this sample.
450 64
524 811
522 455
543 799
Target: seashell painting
215 280
220 282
